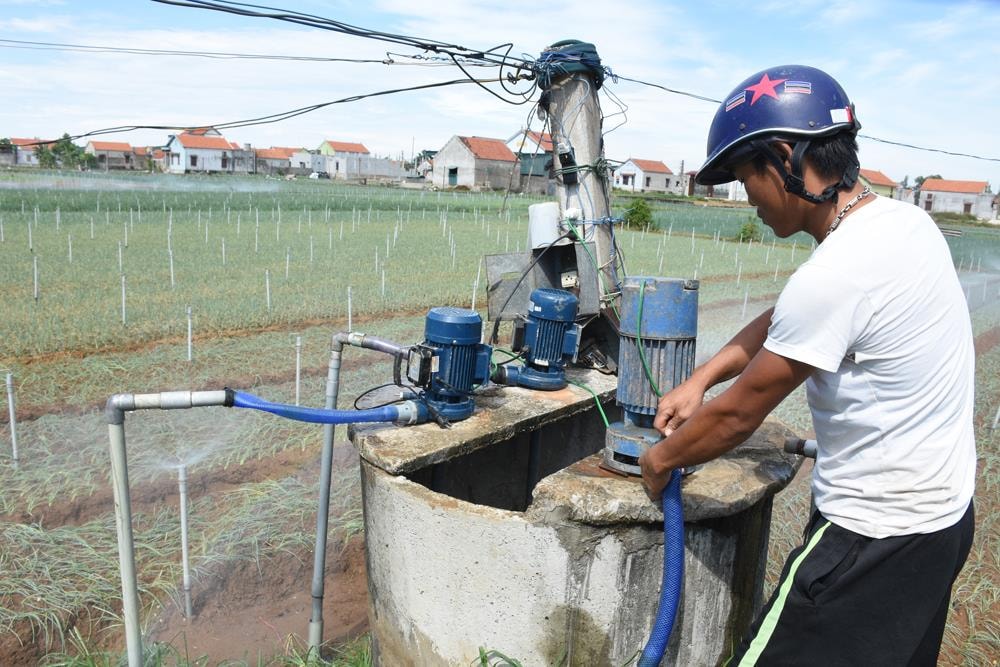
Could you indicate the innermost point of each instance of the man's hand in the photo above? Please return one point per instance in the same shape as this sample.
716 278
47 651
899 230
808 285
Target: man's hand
677 405
654 476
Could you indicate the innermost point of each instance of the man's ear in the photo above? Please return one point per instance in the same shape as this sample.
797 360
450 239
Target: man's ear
784 151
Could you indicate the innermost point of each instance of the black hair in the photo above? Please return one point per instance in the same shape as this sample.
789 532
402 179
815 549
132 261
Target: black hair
830 156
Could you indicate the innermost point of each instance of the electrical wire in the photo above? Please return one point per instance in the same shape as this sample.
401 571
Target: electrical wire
271 118
221 55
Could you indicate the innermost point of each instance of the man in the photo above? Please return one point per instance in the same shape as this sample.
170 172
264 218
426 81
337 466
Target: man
875 323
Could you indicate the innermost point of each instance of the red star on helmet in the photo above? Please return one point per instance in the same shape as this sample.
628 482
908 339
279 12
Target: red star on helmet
764 87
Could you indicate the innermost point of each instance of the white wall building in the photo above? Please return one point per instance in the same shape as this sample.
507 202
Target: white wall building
968 197
207 151
477 163
638 175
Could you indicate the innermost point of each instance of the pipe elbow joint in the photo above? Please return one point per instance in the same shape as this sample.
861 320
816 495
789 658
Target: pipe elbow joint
114 409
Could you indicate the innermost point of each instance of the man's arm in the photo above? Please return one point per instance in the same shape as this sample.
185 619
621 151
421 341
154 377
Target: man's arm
680 403
725 421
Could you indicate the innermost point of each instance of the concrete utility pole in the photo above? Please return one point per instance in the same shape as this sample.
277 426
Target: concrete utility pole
575 125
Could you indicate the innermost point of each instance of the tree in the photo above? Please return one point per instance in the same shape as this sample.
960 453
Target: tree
638 214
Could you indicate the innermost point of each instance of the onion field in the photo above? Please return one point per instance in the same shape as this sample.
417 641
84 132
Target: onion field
103 277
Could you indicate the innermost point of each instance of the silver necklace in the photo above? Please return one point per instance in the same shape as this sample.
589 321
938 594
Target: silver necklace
840 216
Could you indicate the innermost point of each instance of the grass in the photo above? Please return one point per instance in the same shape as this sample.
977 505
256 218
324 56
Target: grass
69 352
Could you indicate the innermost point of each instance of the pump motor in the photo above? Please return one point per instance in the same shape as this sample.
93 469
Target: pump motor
451 361
551 339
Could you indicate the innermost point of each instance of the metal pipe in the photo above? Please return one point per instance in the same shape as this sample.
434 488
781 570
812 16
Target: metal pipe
12 411
182 488
126 545
801 447
315 636
339 340
115 411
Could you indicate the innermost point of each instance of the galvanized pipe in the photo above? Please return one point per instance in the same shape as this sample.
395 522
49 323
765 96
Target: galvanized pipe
12 411
115 411
339 340
182 489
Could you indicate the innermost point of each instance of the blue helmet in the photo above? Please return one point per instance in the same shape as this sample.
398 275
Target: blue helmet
793 103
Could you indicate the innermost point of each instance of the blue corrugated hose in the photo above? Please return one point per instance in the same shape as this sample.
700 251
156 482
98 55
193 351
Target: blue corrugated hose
673 573
386 413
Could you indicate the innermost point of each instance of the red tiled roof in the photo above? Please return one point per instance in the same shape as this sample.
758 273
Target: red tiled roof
346 146
158 154
876 177
964 187
140 150
31 143
276 153
544 141
651 166
117 146
485 148
189 140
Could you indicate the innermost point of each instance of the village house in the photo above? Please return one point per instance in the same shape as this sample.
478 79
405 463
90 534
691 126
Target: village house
205 150
939 195
879 183
149 158
25 150
340 159
111 154
534 153
352 161
477 163
274 160
647 176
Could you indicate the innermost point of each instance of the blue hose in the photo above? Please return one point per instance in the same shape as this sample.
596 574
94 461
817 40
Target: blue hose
386 413
673 573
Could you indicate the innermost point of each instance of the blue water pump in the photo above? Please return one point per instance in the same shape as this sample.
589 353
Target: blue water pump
659 323
451 361
551 340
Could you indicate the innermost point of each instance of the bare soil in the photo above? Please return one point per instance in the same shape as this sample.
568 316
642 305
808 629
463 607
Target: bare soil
249 612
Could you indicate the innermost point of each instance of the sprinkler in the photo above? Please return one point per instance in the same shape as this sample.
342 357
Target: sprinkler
550 341
659 320
446 368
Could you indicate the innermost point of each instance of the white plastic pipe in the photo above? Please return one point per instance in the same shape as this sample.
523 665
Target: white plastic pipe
182 489
12 411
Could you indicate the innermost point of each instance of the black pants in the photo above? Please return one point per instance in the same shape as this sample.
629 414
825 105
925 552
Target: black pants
849 600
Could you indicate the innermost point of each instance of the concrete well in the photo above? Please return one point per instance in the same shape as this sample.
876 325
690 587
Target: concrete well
503 533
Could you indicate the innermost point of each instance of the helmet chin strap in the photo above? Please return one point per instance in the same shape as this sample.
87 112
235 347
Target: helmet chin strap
794 182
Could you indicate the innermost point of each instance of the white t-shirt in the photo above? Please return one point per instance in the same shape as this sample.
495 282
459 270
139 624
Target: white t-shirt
879 311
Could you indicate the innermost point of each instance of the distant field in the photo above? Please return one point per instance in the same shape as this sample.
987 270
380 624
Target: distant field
400 252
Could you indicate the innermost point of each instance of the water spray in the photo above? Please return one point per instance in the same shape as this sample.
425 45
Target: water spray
444 370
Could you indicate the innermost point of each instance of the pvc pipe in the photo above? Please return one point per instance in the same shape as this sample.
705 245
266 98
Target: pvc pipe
12 412
298 369
182 489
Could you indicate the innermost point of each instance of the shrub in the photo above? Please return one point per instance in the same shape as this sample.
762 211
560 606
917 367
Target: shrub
750 231
638 214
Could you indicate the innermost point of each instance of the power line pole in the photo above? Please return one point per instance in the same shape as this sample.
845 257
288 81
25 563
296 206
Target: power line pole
570 100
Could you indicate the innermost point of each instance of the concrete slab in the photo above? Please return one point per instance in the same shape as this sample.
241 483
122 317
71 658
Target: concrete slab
501 413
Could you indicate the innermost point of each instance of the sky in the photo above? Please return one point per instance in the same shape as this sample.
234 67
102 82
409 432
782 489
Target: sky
919 72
